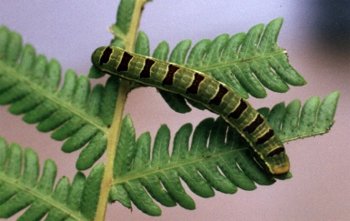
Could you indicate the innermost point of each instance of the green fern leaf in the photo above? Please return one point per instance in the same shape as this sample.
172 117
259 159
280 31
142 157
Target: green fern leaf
91 192
212 157
142 44
22 187
296 121
248 62
157 174
74 112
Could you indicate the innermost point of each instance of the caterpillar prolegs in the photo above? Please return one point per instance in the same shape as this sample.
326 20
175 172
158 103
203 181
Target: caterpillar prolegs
205 89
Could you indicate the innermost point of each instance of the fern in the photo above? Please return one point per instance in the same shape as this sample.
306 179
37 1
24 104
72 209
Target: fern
217 158
211 157
293 122
247 62
22 186
75 113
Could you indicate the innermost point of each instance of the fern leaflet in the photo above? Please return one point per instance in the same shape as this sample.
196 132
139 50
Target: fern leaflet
73 112
295 121
212 157
248 62
22 186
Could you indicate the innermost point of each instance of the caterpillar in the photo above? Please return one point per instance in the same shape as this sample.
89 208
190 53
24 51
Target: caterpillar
202 88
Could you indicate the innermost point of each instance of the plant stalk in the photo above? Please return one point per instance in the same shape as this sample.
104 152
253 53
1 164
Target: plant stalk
115 129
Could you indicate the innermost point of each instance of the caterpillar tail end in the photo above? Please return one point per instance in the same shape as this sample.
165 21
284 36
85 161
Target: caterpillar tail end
279 165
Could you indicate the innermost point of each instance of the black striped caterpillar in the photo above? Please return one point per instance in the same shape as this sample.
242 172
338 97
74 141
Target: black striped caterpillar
203 88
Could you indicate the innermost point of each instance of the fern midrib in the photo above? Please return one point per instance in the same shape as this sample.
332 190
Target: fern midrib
222 65
12 72
43 197
174 165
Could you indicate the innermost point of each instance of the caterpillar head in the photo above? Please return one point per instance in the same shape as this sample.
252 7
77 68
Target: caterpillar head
101 56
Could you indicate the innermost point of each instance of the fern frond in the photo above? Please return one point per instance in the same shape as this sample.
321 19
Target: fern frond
248 62
211 157
22 187
214 160
73 112
296 121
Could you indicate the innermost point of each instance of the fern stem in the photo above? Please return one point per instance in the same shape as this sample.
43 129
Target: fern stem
114 131
130 38
113 139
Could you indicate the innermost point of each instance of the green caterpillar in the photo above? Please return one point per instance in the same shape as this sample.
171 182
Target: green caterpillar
200 87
